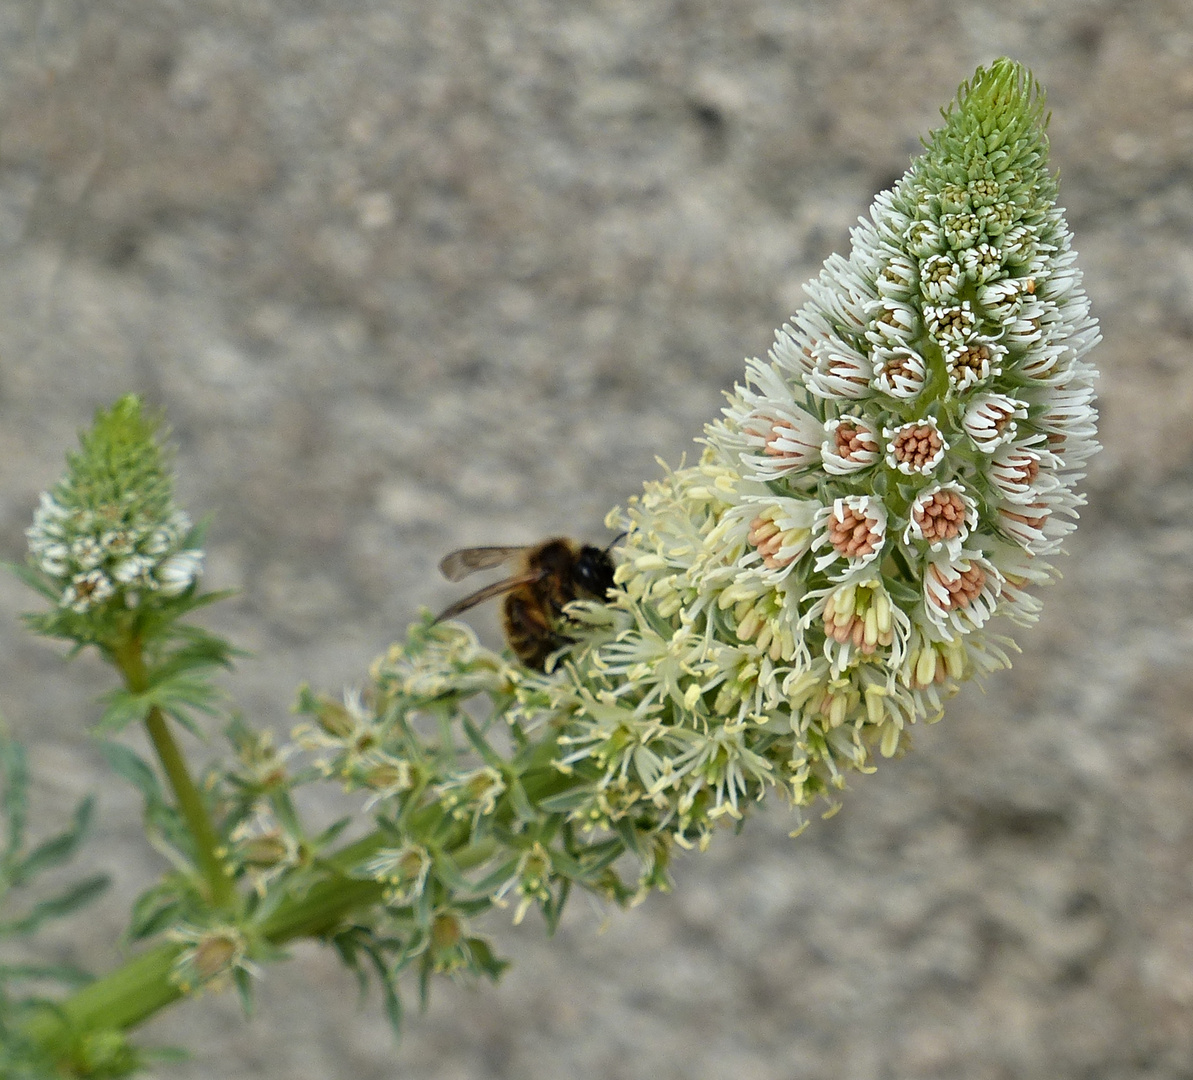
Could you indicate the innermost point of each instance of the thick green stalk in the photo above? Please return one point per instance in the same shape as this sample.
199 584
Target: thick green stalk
138 989
121 999
141 987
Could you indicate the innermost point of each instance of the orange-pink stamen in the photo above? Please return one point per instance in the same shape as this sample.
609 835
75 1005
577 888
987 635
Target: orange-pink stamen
963 589
781 430
940 517
916 446
767 537
853 534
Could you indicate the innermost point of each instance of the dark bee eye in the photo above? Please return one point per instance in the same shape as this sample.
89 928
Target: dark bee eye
594 571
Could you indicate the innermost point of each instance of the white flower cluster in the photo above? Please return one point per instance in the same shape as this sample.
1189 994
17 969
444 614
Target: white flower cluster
109 552
892 478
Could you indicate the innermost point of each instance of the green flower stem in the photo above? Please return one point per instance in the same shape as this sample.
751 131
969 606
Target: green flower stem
130 660
190 803
325 905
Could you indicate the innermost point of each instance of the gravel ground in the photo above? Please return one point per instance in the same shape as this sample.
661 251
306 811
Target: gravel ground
413 274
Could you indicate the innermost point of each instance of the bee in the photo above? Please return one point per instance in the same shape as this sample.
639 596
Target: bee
548 577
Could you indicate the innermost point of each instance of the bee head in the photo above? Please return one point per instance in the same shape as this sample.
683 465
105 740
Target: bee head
593 572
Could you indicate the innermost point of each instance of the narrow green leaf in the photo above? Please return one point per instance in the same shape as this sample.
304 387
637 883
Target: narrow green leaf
328 835
425 970
185 690
472 908
348 948
183 719
200 649
565 801
389 990
166 823
631 838
487 754
244 989
185 605
14 763
74 898
35 579
524 810
553 908
57 849
598 857
152 912
62 973
445 869
121 708
130 765
490 883
487 962
563 863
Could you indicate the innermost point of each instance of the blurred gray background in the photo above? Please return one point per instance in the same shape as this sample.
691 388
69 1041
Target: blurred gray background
412 274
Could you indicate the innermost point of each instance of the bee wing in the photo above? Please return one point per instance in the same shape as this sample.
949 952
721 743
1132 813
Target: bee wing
487 593
457 565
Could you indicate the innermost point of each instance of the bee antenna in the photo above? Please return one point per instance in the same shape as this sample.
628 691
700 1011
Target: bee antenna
620 536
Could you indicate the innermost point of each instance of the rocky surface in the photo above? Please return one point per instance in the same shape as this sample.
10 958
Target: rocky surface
418 273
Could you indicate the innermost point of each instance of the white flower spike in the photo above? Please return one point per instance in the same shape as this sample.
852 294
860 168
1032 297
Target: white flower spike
880 488
940 369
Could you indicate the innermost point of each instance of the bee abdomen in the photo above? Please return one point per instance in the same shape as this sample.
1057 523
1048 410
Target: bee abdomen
530 634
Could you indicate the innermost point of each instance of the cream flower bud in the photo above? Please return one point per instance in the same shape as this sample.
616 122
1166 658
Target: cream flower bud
897 278
781 533
860 620
893 323
87 590
991 420
960 591
851 445
899 372
178 572
840 372
941 277
973 362
1002 300
950 324
1022 470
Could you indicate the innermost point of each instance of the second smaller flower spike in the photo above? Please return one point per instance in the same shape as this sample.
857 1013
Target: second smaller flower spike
109 539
